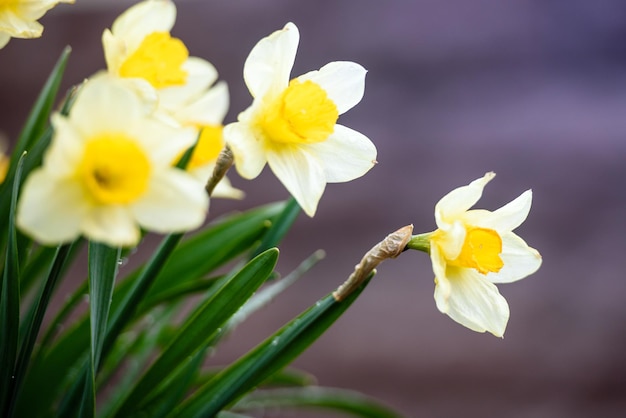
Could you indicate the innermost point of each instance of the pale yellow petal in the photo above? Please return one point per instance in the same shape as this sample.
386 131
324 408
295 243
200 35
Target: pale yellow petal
474 302
175 202
208 109
519 260
301 173
201 74
270 62
51 209
247 149
343 81
105 104
112 225
505 219
66 148
442 285
4 39
143 19
345 155
458 201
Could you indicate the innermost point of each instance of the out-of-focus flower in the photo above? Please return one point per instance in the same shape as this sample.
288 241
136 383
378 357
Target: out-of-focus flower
291 125
18 18
473 249
204 110
108 172
139 49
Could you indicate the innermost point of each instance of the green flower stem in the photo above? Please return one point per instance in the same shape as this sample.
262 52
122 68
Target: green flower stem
392 246
420 242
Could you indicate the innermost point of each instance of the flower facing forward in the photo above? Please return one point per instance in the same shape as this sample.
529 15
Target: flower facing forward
291 125
140 50
18 18
473 249
108 172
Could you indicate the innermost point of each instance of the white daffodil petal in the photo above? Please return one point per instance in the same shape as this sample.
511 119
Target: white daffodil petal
343 81
511 215
114 50
345 155
458 201
248 151
20 26
201 74
519 260
175 202
4 39
442 285
105 95
66 148
270 62
50 209
209 109
225 190
475 303
300 173
143 19
163 143
112 225
450 240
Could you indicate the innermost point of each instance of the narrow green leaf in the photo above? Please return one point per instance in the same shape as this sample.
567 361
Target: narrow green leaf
33 328
267 358
282 378
213 247
201 327
103 266
279 228
340 400
10 301
35 124
216 245
36 266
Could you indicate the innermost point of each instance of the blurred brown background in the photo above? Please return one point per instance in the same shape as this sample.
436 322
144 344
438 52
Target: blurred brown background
533 90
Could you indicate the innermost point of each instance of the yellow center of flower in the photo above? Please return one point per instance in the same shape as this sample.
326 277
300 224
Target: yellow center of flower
208 148
302 114
8 4
114 169
158 60
481 251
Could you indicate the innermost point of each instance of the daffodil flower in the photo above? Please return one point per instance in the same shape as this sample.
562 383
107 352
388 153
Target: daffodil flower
108 172
291 125
18 18
140 49
472 250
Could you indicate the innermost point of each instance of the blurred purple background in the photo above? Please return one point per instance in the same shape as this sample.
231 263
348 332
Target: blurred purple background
533 90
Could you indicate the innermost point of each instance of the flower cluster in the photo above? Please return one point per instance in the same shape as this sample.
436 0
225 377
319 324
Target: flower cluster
142 146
